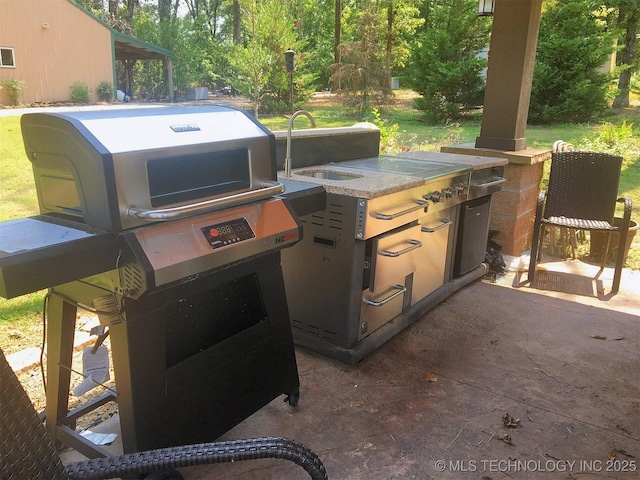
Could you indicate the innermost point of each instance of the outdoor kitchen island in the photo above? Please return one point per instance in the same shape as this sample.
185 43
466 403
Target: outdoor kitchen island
387 246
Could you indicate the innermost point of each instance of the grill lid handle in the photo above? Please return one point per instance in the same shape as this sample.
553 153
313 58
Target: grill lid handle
174 213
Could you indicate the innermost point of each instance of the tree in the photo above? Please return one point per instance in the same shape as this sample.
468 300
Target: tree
270 29
402 19
446 66
573 45
337 31
360 75
628 58
376 33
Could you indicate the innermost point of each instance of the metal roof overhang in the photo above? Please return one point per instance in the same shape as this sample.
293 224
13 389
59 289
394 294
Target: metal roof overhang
126 48
130 48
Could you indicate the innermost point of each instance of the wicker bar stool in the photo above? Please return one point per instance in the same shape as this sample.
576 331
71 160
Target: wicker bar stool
27 452
582 195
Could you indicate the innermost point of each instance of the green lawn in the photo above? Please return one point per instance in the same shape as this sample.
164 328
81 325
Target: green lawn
619 133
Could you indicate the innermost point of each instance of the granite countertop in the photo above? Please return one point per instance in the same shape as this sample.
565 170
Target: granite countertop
477 162
367 184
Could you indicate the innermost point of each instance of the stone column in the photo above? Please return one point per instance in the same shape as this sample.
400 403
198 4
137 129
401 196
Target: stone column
512 51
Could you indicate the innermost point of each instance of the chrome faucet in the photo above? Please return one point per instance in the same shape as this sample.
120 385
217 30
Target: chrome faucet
287 158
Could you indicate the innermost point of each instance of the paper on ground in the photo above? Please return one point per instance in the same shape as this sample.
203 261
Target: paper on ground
99 438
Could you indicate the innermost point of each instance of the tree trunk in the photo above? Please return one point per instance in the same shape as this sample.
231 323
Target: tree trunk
131 6
387 79
236 22
164 9
113 8
628 18
338 32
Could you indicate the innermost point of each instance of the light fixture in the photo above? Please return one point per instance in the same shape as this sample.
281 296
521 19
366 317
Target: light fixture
485 7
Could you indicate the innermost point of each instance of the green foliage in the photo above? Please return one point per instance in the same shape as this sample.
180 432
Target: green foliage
316 29
446 68
573 45
258 63
389 132
80 92
252 63
105 91
15 87
622 139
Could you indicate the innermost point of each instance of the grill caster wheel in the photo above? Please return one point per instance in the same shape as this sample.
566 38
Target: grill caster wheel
292 399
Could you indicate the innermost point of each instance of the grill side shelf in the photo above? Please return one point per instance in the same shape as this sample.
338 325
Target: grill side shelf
36 253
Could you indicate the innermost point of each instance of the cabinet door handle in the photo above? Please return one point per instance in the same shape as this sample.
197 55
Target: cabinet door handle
393 216
401 289
413 245
444 222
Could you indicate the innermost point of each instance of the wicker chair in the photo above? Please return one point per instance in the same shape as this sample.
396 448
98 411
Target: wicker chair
27 452
582 195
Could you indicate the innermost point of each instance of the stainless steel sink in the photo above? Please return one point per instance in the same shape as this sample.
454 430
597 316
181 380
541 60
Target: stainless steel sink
329 175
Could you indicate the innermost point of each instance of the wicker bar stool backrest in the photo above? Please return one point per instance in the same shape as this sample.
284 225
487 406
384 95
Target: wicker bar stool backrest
26 450
583 185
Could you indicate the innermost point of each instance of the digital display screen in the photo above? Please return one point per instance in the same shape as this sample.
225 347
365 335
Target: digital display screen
228 233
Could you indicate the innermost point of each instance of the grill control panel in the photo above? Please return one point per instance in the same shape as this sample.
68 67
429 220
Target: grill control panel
228 233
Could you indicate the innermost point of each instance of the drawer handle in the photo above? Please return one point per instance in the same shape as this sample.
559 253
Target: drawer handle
445 222
393 216
414 244
401 289
497 181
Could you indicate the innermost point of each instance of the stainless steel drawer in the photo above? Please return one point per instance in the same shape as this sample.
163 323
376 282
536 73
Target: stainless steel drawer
394 256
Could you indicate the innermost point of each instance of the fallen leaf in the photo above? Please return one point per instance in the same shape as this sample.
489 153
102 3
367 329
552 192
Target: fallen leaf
506 439
598 337
430 377
619 338
613 454
509 421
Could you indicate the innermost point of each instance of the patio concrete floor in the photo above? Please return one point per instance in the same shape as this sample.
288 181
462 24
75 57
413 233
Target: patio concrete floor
430 403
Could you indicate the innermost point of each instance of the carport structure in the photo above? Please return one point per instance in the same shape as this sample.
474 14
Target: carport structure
129 50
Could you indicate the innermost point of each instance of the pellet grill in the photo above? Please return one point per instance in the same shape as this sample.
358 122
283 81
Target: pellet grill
169 222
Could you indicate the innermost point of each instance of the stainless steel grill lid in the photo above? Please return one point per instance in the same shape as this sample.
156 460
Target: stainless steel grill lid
109 168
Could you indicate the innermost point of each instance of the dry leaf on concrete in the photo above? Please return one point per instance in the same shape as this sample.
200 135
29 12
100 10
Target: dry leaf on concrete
430 377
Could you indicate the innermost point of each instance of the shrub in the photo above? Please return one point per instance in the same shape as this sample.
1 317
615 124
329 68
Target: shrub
15 87
573 45
105 91
446 67
80 92
389 132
